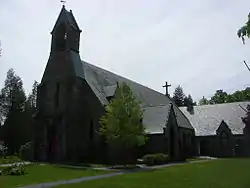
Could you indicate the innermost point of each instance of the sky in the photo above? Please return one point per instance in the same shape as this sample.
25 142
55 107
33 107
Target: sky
189 43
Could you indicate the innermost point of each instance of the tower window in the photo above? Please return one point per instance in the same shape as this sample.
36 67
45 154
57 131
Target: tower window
65 36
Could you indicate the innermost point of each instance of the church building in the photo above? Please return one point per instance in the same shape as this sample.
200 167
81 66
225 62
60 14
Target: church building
221 130
72 97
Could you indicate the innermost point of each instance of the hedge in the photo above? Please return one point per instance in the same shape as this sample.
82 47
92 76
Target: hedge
155 159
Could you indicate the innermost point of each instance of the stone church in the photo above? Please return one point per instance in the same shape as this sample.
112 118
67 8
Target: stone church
72 97
73 94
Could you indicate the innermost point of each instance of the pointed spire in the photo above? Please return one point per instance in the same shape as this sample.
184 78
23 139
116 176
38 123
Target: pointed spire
67 18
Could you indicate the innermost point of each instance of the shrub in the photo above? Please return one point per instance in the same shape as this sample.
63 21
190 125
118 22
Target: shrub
26 151
155 159
14 170
125 167
9 159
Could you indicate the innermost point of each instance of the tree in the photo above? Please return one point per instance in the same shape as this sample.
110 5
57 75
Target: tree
189 103
178 96
219 97
203 101
122 122
244 31
17 130
1 109
12 111
12 95
31 100
230 99
238 96
246 129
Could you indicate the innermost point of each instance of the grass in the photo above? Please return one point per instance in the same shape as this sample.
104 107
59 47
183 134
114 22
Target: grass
45 173
195 159
221 173
86 165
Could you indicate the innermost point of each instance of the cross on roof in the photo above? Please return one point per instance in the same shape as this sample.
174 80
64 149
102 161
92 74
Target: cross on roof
166 86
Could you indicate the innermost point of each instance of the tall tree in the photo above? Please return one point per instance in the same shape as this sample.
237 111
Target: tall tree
178 96
12 95
1 108
31 100
189 103
246 129
12 108
203 101
219 97
246 94
122 122
244 31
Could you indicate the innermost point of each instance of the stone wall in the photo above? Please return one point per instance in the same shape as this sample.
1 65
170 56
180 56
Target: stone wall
157 143
85 110
216 146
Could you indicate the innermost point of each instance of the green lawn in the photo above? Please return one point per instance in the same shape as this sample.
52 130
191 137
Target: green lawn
45 173
223 173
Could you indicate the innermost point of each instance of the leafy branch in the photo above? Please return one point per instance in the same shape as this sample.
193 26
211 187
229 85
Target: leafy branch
244 31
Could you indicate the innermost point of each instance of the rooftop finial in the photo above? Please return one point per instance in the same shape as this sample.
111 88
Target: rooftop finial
63 2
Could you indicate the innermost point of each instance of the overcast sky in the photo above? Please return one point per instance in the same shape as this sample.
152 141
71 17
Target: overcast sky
192 43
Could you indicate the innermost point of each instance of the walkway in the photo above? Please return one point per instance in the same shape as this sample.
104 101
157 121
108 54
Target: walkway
78 180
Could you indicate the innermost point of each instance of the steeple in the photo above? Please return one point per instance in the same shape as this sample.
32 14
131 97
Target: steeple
65 33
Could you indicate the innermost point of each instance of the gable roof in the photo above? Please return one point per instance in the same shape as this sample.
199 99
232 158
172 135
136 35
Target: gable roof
206 119
222 127
155 104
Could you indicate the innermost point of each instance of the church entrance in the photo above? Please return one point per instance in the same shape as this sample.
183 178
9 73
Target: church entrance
52 143
56 140
225 149
54 131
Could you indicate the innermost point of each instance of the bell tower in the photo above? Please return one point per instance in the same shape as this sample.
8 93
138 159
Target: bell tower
64 59
66 33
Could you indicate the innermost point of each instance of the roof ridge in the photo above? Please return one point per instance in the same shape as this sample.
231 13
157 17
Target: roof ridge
178 108
147 106
221 104
116 74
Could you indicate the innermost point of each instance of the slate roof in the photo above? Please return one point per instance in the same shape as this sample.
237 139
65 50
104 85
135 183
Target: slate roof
155 104
207 118
155 118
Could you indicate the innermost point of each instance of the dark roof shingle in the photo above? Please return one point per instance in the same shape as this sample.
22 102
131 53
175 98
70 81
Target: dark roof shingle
155 104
